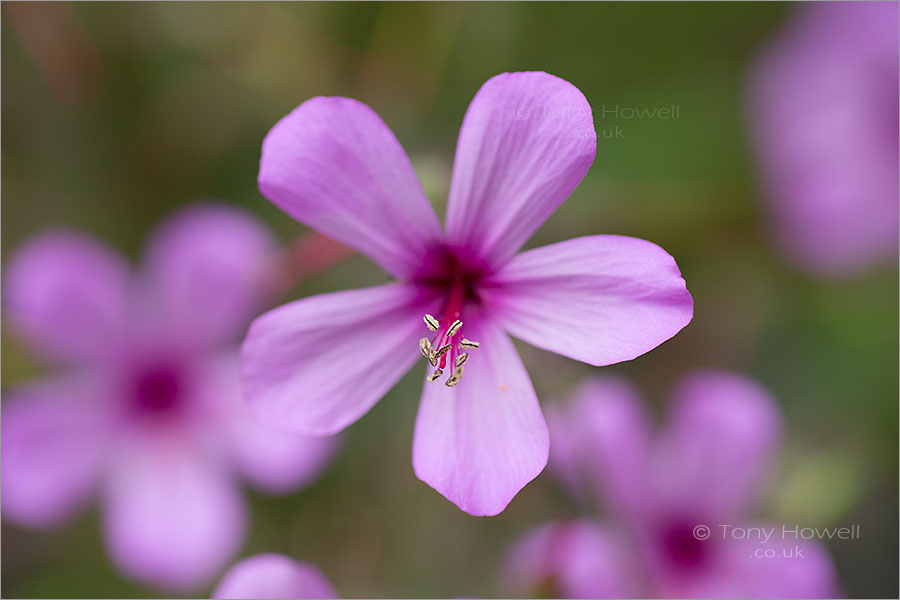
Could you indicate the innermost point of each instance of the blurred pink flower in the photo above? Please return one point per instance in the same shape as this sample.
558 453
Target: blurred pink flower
147 409
273 576
824 111
318 364
707 467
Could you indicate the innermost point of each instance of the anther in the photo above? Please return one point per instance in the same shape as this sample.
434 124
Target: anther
454 327
455 378
434 376
468 344
431 322
441 351
461 359
425 347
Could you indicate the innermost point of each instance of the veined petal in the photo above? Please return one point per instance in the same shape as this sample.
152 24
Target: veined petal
273 576
67 294
316 365
482 441
570 559
334 165
173 517
713 455
600 299
206 266
526 142
53 448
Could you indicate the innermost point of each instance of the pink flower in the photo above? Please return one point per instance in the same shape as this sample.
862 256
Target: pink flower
146 412
706 468
824 106
273 576
318 364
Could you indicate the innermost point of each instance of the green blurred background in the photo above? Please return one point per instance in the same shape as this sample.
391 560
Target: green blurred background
113 115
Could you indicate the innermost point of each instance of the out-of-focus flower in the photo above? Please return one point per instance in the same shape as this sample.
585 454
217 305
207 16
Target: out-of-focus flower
273 576
670 496
824 115
318 364
146 411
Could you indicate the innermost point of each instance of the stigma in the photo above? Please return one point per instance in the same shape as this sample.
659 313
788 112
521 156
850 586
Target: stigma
445 351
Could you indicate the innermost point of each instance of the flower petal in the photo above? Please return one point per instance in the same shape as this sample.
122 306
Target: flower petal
172 518
482 441
67 295
525 144
823 106
607 424
781 567
334 165
206 263
715 450
53 446
318 364
600 299
273 576
570 559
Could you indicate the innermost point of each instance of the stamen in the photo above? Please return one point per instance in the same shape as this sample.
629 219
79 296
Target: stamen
455 378
454 327
441 351
431 322
444 349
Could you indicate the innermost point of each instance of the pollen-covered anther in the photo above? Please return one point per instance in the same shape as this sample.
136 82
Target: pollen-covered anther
425 347
442 351
468 344
436 375
455 378
432 323
455 326
461 359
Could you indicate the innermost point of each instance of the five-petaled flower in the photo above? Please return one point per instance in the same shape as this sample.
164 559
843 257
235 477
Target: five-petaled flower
668 495
318 364
148 411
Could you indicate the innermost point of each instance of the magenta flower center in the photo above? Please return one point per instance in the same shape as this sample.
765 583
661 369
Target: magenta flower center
158 390
456 277
681 548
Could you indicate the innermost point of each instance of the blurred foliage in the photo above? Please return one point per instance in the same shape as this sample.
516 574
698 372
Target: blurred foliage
114 114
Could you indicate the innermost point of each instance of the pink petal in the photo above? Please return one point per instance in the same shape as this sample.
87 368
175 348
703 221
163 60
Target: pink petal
526 142
67 295
273 576
480 442
206 263
607 424
823 106
274 461
318 364
173 519
570 559
714 453
334 165
53 448
782 567
600 299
